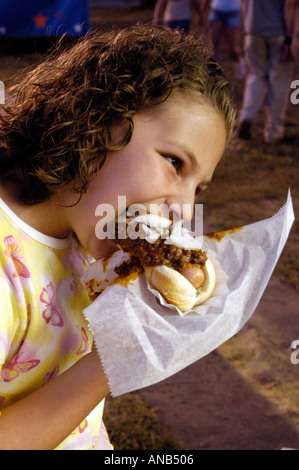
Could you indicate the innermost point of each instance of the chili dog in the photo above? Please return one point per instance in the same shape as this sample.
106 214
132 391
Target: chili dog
185 277
186 289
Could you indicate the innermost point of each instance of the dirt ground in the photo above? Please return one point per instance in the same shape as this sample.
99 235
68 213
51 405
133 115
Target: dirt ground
244 395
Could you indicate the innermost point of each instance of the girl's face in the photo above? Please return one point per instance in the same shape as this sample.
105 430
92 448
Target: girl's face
171 157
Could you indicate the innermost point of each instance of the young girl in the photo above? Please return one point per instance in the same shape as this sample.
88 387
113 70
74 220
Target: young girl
142 113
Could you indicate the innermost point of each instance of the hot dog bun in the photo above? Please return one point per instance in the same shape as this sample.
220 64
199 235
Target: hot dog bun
177 290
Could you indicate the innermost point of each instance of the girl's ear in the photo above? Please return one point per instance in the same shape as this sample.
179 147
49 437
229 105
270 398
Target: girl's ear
120 134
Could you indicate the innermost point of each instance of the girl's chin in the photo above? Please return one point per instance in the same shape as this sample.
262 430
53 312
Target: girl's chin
103 248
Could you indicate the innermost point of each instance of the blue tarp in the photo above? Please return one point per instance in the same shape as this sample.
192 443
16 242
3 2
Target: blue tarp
20 18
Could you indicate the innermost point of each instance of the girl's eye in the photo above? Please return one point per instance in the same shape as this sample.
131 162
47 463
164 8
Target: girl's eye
174 161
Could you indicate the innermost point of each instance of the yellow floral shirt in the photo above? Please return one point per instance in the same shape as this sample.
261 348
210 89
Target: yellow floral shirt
42 329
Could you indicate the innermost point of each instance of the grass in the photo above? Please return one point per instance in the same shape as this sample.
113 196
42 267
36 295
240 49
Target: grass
250 184
133 425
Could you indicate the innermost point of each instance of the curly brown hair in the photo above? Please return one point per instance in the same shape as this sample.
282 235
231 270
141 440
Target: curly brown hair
57 130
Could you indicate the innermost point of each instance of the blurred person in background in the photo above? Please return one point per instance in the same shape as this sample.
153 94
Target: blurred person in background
177 14
292 20
225 20
267 48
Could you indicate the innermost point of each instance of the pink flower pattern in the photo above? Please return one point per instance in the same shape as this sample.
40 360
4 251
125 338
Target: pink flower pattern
20 364
13 251
50 314
51 375
84 343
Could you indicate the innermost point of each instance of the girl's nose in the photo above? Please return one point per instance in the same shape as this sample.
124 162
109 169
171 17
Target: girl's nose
182 205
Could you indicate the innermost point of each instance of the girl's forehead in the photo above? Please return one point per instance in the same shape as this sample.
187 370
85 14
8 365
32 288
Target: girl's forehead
180 108
182 125
179 98
181 103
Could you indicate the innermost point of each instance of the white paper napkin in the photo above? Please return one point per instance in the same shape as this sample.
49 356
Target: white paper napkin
141 341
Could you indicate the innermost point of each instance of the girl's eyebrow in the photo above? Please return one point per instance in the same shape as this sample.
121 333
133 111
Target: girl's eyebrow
184 148
194 163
